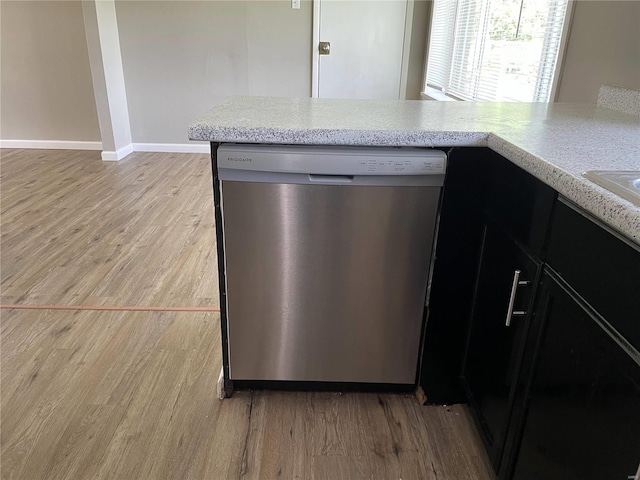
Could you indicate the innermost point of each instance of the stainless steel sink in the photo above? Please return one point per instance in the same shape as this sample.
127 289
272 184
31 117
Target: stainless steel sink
624 183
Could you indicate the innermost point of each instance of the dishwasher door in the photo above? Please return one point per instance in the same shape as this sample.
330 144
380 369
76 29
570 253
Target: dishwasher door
326 282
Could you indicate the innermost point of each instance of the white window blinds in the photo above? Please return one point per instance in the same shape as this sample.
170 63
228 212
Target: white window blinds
495 50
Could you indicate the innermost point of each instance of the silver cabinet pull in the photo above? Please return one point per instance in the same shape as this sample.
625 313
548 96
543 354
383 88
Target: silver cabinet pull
512 298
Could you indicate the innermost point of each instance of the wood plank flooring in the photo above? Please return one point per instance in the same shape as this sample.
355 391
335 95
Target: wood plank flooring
80 231
88 394
131 395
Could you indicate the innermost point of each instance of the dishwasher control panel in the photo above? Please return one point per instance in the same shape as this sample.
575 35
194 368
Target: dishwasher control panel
332 160
400 166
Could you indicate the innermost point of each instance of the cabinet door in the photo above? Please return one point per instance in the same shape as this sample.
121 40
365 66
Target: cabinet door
583 418
506 279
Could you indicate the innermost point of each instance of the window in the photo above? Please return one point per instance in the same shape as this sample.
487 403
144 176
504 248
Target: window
495 50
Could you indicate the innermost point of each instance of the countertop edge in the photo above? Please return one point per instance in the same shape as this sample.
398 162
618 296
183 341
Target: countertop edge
305 136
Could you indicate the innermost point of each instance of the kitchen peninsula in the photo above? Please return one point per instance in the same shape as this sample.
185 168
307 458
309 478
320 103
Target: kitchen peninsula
531 317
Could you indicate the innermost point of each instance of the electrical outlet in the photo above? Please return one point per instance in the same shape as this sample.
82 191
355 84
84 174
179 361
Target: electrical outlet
295 4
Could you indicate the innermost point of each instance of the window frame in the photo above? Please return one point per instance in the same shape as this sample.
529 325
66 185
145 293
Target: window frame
432 93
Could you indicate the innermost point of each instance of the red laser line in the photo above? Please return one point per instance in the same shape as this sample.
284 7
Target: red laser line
109 308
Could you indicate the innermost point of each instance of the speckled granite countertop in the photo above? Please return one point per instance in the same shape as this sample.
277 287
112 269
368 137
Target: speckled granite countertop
554 142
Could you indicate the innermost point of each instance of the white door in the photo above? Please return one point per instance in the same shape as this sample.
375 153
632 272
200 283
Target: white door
366 39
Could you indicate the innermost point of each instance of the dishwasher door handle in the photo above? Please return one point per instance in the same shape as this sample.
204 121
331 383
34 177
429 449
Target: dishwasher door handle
331 179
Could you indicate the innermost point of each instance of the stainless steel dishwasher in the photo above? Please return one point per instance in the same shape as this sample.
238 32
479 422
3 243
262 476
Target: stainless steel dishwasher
327 256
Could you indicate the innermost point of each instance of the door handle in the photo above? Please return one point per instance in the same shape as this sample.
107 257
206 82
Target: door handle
324 48
512 298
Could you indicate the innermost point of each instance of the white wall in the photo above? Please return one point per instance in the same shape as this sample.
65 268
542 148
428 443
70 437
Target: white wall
181 57
417 48
603 48
46 91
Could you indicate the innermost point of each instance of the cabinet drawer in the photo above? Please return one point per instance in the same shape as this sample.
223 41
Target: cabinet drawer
601 266
521 203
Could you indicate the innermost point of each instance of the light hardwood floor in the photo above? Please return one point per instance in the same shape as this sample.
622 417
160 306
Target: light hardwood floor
131 395
80 231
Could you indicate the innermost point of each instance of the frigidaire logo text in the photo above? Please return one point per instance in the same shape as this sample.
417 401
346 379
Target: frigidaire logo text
240 159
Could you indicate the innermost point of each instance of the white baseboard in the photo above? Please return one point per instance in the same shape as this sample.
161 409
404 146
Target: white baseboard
114 156
172 147
109 155
51 144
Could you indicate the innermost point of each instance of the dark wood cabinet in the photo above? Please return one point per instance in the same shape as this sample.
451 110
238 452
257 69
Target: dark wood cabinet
556 394
582 416
504 291
480 184
579 407
454 272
